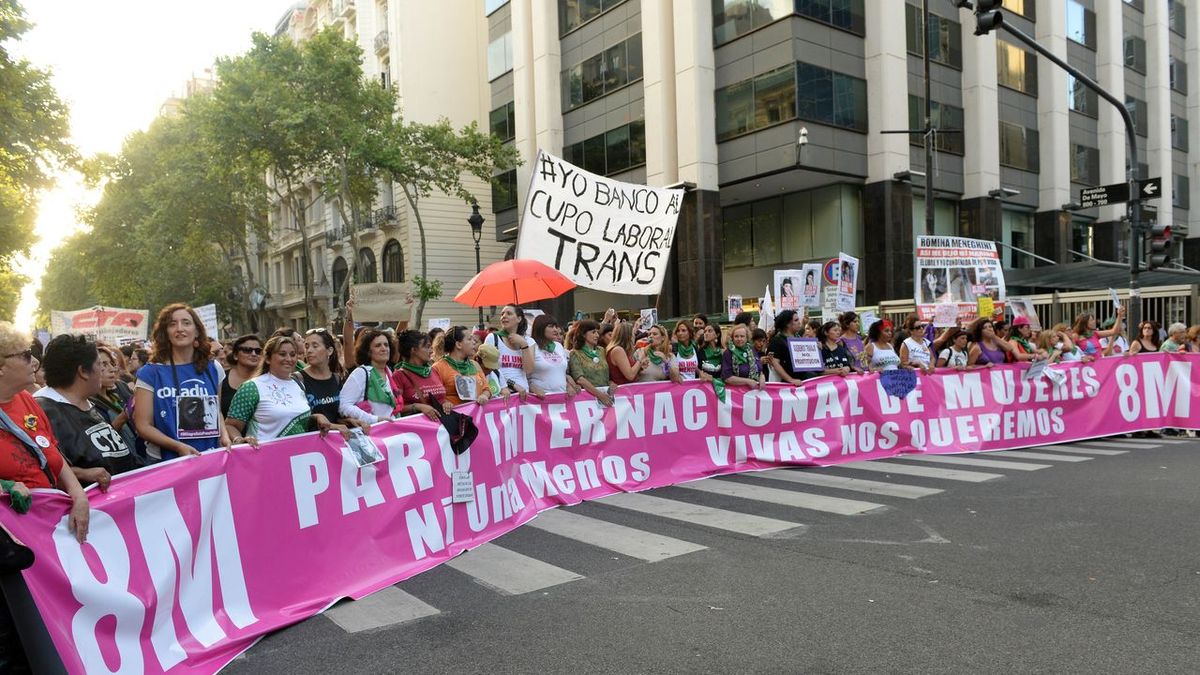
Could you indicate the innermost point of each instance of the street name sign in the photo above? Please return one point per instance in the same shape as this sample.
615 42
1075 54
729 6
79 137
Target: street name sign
1102 195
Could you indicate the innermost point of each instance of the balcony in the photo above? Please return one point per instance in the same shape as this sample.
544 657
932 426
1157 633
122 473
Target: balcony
335 237
386 217
382 42
343 8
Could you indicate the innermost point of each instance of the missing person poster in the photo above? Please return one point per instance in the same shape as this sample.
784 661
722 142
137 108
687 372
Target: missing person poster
847 288
956 270
734 304
600 233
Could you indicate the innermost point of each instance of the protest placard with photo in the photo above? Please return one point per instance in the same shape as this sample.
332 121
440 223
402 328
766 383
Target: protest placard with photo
734 303
810 286
600 233
847 288
956 270
649 318
1024 307
788 288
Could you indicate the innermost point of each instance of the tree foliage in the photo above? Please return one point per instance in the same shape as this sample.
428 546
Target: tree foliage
34 127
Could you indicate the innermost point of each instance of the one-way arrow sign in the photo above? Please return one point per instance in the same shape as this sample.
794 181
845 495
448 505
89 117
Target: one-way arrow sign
1151 188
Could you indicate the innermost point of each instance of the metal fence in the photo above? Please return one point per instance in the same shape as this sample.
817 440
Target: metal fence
1164 304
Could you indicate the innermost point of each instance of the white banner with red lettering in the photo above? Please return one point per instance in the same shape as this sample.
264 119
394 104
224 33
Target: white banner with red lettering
114 325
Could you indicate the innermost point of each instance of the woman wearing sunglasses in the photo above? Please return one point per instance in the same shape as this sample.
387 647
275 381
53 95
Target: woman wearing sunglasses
243 358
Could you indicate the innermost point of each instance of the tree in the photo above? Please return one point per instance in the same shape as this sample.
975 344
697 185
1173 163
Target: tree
304 114
427 158
34 126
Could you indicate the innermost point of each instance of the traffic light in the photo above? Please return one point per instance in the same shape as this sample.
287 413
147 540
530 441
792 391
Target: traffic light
1160 246
987 16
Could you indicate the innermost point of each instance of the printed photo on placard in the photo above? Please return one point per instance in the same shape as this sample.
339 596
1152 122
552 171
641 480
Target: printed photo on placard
810 289
649 318
788 287
1024 307
735 306
847 282
362 450
196 417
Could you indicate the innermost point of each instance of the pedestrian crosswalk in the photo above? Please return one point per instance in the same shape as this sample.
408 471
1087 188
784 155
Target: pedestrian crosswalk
735 506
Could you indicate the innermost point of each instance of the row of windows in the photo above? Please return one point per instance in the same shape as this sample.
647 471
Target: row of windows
612 152
503 122
946 45
603 73
812 225
831 98
733 18
1016 68
367 272
945 117
574 13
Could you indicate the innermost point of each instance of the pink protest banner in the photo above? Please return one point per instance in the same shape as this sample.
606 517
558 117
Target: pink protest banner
187 564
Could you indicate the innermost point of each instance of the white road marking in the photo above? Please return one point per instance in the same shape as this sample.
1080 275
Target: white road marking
603 534
510 572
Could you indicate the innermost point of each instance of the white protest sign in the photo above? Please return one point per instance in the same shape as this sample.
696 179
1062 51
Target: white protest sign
829 310
867 319
958 270
788 286
1037 369
810 287
735 306
1116 301
847 287
600 233
444 324
530 315
208 317
945 315
806 354
109 324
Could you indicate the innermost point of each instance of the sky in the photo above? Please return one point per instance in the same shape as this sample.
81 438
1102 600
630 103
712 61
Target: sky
114 63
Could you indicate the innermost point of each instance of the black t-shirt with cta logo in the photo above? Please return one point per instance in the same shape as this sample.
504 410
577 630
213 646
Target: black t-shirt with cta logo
85 438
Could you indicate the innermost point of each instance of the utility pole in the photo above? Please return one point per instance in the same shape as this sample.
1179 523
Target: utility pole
987 17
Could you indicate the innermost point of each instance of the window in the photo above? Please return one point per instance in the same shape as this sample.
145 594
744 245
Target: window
500 56
614 151
946 46
1179 191
504 191
504 122
801 226
574 13
366 267
490 6
340 271
1085 164
1135 53
732 18
1082 98
1081 24
832 98
603 73
1016 68
393 262
753 104
1178 71
844 14
1018 147
945 116
1023 7
1179 133
1136 108
1177 16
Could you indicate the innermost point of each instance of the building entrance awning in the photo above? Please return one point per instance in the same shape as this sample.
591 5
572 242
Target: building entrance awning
1094 275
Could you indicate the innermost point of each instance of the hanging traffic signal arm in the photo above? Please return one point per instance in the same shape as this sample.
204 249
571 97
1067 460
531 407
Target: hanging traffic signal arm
987 16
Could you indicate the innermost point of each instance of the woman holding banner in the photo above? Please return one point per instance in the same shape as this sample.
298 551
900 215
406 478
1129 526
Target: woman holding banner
176 406
851 340
585 364
915 351
550 367
740 363
368 395
661 361
518 356
788 324
709 349
687 359
879 352
623 367
1147 339
988 349
462 378
834 354
421 390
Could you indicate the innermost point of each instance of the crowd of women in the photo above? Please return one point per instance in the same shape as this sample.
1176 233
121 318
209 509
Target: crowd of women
78 412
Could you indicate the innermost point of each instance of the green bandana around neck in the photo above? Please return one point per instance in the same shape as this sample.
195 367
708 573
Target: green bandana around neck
378 390
593 354
687 350
463 367
422 371
741 355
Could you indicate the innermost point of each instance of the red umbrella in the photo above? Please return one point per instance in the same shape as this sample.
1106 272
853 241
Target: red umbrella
513 282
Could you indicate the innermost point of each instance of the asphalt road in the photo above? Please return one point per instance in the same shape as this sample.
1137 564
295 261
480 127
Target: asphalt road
1051 565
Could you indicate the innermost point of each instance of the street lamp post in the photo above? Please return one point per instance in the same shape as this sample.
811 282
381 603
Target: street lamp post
476 223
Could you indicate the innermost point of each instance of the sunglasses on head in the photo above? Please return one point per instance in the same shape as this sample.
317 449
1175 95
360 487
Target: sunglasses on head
311 331
250 350
27 355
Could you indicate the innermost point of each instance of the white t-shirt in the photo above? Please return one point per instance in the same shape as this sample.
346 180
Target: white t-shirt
550 370
884 358
953 357
271 407
511 363
1121 347
688 365
918 352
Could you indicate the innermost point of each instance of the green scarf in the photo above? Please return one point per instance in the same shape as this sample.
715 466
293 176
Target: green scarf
420 371
1024 343
654 357
463 367
550 347
502 334
110 401
712 355
20 503
377 389
685 350
593 354
741 355
719 387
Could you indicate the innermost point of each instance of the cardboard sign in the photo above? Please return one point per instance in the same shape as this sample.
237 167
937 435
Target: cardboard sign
380 302
829 310
945 315
208 317
984 307
444 324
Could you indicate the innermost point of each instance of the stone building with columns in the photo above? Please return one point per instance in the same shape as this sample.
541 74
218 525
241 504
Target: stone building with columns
770 113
